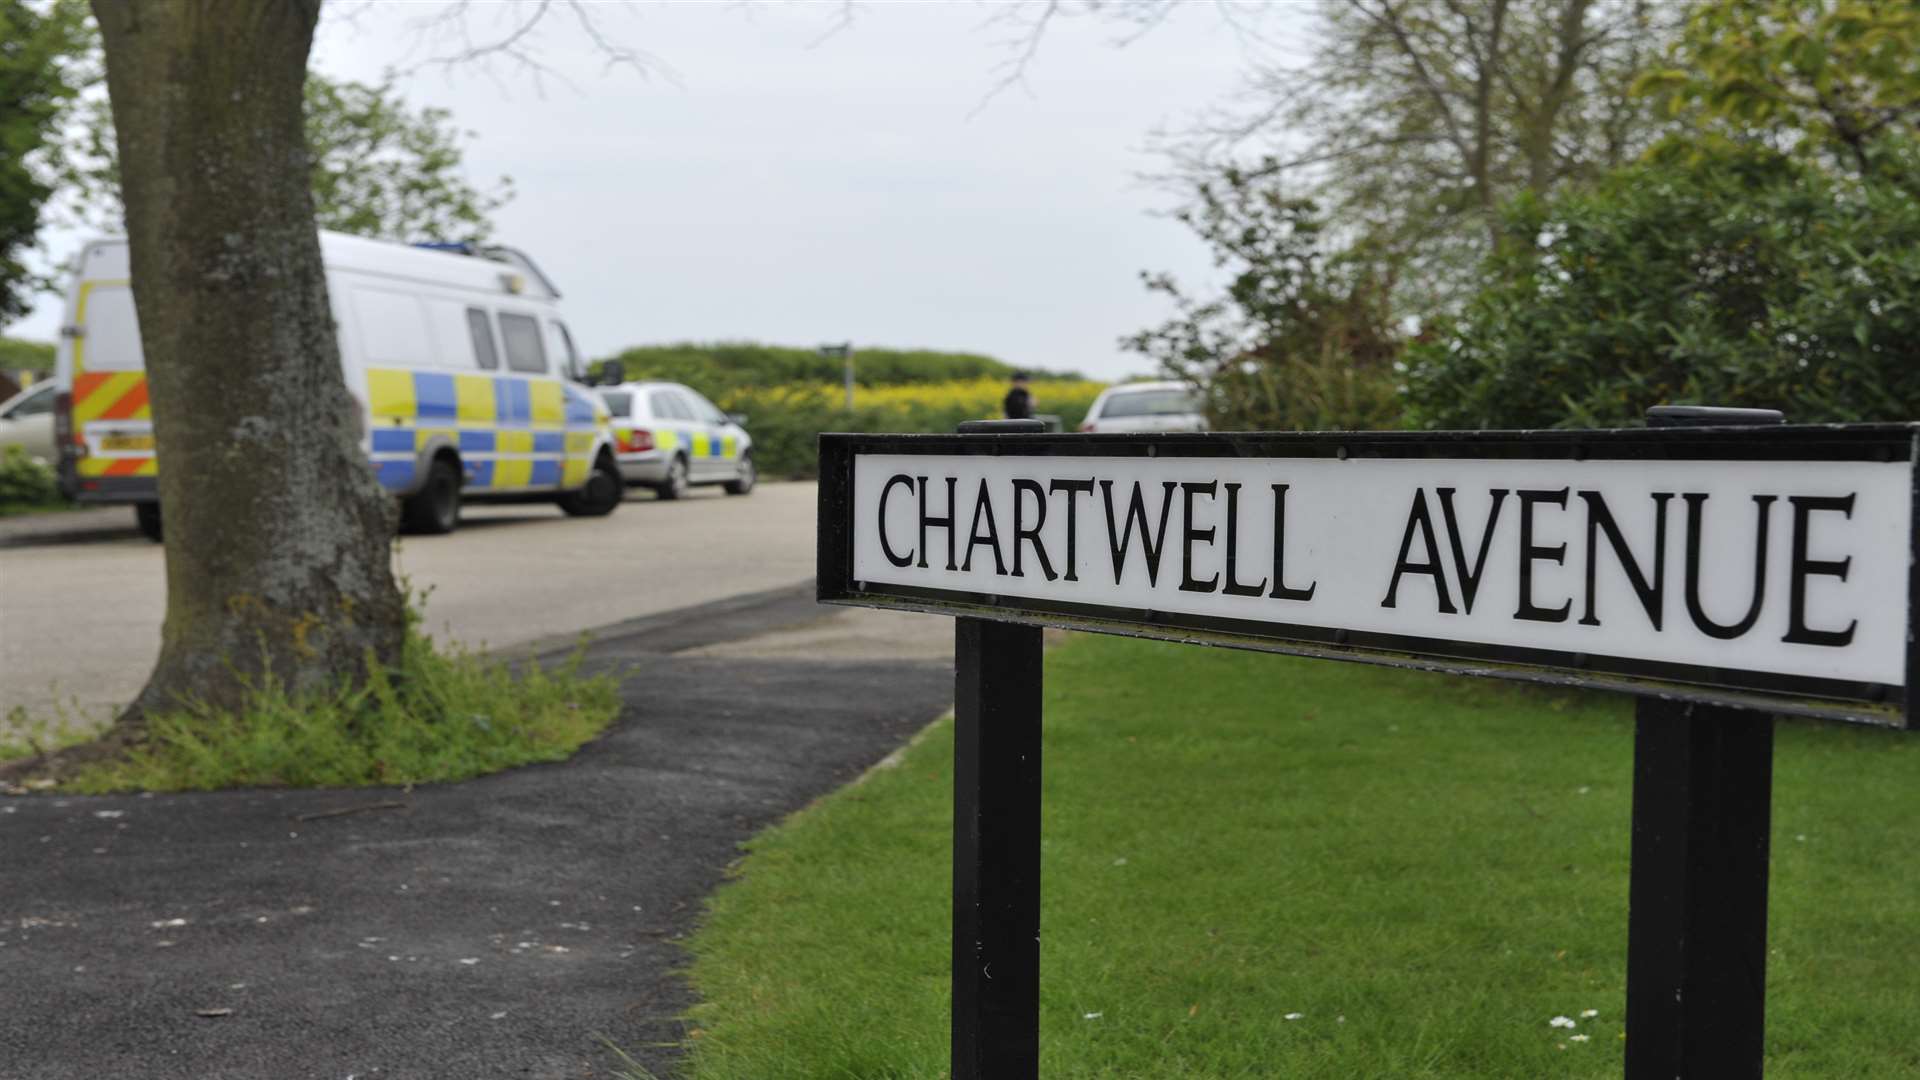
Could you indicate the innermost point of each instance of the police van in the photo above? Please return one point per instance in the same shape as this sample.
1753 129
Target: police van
457 356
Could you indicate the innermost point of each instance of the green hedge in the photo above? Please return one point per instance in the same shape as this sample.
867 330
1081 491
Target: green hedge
17 354
743 363
1736 276
786 422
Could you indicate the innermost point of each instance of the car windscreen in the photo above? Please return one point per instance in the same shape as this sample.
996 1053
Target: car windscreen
619 402
1149 403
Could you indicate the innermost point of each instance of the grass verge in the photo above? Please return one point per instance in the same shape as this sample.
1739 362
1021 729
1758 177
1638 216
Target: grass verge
1262 866
437 716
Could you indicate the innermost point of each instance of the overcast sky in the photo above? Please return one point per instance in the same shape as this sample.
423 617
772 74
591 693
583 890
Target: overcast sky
780 188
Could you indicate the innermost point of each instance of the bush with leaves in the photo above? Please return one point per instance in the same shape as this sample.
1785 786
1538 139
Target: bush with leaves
26 484
1736 277
1303 338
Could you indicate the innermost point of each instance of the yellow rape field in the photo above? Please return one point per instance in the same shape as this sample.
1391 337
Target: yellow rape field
975 398
983 396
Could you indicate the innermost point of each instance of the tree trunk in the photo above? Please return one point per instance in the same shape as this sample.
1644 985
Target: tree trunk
277 535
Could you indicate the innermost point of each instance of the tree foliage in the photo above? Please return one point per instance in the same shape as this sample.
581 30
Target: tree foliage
380 168
1737 277
1835 80
1301 339
39 76
1410 125
1414 120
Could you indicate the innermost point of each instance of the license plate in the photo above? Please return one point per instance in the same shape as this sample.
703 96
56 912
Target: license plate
127 442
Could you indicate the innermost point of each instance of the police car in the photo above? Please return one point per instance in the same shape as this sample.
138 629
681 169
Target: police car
463 370
669 438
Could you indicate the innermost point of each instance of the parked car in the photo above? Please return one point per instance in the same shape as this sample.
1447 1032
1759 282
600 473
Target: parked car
466 378
1145 406
26 421
669 438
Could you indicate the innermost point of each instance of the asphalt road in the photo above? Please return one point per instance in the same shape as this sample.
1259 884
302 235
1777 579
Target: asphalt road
499 927
82 595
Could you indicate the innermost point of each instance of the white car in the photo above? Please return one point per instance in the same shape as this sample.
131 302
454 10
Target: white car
26 421
669 438
1145 406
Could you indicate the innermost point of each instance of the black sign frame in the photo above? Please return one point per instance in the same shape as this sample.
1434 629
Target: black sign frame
1879 704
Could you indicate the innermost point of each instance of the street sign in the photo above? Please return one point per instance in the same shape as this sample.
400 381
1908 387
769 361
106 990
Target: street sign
1720 574
1759 567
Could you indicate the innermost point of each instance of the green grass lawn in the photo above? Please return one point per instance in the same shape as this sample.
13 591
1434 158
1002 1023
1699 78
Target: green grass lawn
1262 866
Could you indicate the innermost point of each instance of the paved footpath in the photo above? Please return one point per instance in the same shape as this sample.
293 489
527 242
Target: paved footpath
493 928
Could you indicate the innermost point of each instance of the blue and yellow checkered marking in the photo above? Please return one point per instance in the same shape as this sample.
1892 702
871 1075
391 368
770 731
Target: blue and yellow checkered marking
510 431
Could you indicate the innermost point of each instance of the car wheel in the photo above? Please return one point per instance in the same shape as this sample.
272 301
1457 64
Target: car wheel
743 483
435 509
602 493
676 484
147 516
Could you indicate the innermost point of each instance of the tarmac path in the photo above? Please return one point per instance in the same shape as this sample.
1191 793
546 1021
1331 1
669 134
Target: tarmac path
493 928
82 595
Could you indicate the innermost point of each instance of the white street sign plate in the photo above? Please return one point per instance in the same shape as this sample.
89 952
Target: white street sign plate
1768 567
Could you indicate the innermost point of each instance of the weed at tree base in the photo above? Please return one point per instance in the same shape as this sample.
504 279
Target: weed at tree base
433 717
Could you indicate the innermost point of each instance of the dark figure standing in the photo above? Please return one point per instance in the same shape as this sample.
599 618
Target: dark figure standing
1019 403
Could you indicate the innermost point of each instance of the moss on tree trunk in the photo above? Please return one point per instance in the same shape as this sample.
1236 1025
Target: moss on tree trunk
277 535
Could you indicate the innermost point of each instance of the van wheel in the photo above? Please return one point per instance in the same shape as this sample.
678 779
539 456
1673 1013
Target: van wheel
147 516
602 493
743 483
435 508
676 484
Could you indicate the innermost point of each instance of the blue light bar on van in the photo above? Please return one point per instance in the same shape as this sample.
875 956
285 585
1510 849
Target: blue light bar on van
457 247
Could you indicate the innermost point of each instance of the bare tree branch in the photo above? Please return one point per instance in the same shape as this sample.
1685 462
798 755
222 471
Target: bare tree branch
449 39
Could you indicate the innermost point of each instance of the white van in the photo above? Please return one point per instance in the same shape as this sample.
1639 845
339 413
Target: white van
457 356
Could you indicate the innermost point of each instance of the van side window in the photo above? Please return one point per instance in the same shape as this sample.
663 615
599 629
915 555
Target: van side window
480 328
521 335
393 329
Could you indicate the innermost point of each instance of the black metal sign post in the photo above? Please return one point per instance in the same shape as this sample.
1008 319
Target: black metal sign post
996 838
1697 902
1612 560
1697 899
996 849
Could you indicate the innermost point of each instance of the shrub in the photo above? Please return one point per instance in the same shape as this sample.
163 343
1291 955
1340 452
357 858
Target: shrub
1736 277
26 484
1303 338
